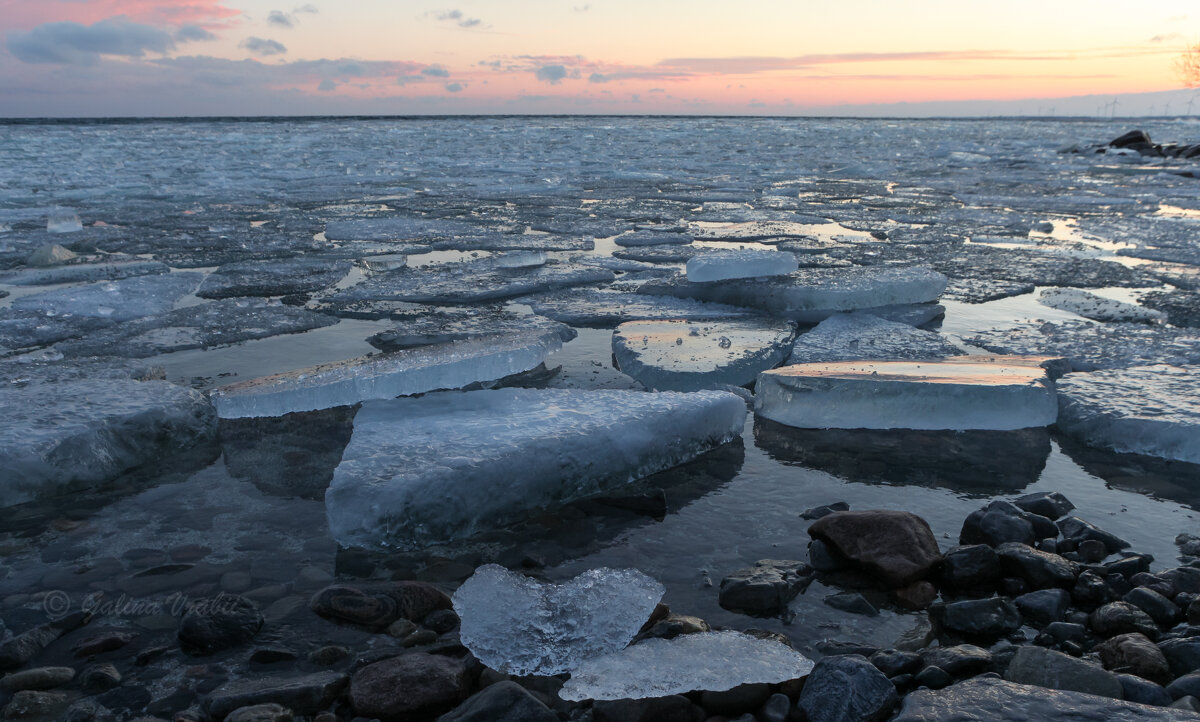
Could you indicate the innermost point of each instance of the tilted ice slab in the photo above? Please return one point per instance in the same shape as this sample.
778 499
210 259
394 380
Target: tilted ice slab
24 329
689 355
861 336
958 393
514 242
1089 346
711 661
115 300
83 272
421 471
410 371
516 625
741 263
810 295
395 229
653 238
434 324
1097 308
605 308
755 230
1152 410
65 434
278 277
976 290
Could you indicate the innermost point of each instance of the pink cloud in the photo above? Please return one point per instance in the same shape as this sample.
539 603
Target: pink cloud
25 14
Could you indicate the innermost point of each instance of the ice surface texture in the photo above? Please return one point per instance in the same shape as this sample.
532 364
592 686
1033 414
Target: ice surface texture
605 308
810 295
741 263
1089 346
1097 308
714 661
427 325
959 393
273 278
517 625
115 300
83 272
1152 410
690 355
855 336
425 470
410 371
396 229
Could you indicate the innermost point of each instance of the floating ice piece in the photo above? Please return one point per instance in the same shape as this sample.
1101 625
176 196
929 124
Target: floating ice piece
1097 308
514 242
710 661
410 371
740 263
62 435
1151 410
205 325
49 254
425 470
976 290
662 253
653 238
605 308
621 264
962 392
115 300
1089 346
384 262
276 277
755 230
689 355
25 329
912 314
431 324
520 259
516 625
395 229
810 295
63 223
861 336
84 272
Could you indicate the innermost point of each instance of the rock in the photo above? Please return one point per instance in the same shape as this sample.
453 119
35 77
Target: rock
38 678
99 678
1092 550
505 701
893 662
738 699
441 621
895 546
1000 522
970 567
1066 631
1078 530
1090 590
35 705
994 617
852 602
219 623
933 677
1162 610
1044 606
1120 618
672 708
103 642
1055 670
1185 579
49 254
1134 654
674 625
377 606
1188 684
996 700
847 688
1049 504
306 695
1129 566
1193 613
1041 569
817 512
917 595
1187 702
1182 654
1133 137
777 708
25 646
411 685
329 654
261 713
824 558
1143 691
958 660
271 655
765 588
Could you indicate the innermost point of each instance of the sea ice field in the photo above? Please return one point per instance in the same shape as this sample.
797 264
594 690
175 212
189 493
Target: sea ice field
294 407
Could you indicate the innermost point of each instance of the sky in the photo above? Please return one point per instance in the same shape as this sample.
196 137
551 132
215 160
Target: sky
84 58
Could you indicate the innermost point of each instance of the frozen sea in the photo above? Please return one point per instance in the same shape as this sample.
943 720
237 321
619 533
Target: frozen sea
325 215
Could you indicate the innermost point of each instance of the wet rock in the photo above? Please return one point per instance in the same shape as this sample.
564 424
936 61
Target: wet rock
1143 691
504 701
1066 631
933 677
970 566
1077 530
1000 522
1092 550
218 623
1040 569
35 705
994 617
917 595
674 625
853 603
441 621
1187 702
1049 504
401 628
1121 618
1129 566
271 655
893 662
738 699
20 649
1091 591
765 588
1183 654
328 655
895 546
847 688
777 708
673 708
1134 654
307 695
1055 670
1162 610
996 700
108 641
823 557
1185 579
261 713
1187 685
409 686
1044 606
958 660
818 512
39 678
99 678
377 606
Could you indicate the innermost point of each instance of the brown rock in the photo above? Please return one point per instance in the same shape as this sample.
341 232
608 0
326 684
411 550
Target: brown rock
895 546
917 595
410 686
378 605
1134 653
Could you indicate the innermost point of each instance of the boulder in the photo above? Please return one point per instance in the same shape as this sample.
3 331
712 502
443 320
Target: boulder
1055 670
1162 610
307 695
847 688
993 617
1121 618
1040 569
1183 654
218 623
1050 504
996 700
970 566
1044 606
408 686
375 606
765 588
1133 653
501 702
1077 530
958 660
895 546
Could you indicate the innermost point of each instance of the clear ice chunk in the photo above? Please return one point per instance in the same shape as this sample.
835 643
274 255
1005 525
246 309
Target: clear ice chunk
958 393
396 229
861 336
605 308
1089 346
684 355
115 300
521 259
63 222
421 471
428 325
653 238
1098 308
84 272
276 277
409 371
514 242
1151 410
758 230
517 625
710 661
740 263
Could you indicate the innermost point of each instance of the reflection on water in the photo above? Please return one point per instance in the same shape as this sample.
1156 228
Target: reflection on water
292 455
1160 478
962 461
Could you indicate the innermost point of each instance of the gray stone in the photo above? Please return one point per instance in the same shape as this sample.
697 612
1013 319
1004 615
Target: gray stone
1120 618
31 704
893 662
1055 670
1078 530
853 603
1050 504
1041 569
25 646
504 701
847 688
1044 606
817 512
1134 654
1143 691
765 588
1183 654
1162 610
992 617
270 712
307 695
896 547
1188 684
672 708
38 678
218 623
411 685
958 659
99 678
777 708
970 566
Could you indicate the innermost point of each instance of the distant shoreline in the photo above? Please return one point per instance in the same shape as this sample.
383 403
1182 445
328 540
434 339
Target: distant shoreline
129 120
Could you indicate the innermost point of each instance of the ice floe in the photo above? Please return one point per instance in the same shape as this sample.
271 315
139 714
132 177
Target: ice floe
427 325
83 272
280 277
606 308
114 300
1089 346
653 238
396 229
855 336
1097 308
740 263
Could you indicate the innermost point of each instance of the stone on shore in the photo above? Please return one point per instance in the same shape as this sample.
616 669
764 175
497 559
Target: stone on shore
847 688
1054 670
898 547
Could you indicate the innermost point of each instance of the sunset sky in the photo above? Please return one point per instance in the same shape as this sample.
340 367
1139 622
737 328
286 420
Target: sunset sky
263 57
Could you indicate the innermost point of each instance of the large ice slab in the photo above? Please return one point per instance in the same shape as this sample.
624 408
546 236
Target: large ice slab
653 238
83 272
962 392
711 661
409 371
396 229
517 625
861 336
1097 308
428 325
605 308
740 263
115 300
1089 346
277 277
683 355
810 295
757 230
26 329
1152 410
420 471
514 242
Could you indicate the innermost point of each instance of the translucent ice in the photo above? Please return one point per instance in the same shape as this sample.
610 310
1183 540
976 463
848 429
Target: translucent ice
740 263
1097 308
521 259
395 229
427 325
63 222
1152 410
653 238
115 300
809 295
409 371
514 242
689 355
516 625
425 470
1090 346
606 308
276 277
861 336
756 230
711 661
960 393
83 272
